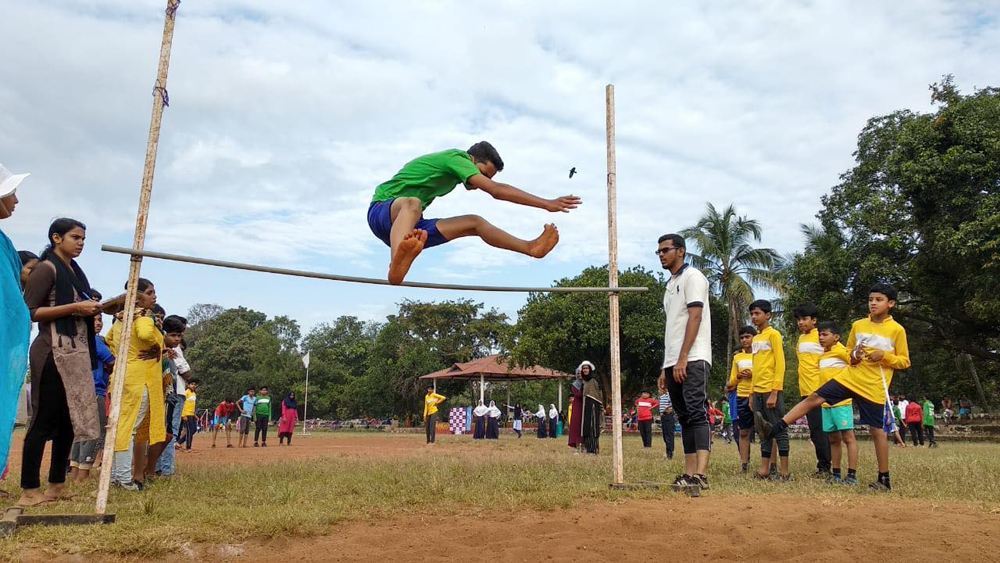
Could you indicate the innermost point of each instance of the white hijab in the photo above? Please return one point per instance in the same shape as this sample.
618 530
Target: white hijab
553 413
579 368
480 410
493 410
541 411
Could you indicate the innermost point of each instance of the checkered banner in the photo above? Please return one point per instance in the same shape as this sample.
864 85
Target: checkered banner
456 421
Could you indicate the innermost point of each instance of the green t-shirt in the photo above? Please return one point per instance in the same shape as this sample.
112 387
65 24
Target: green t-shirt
928 413
726 416
427 177
264 406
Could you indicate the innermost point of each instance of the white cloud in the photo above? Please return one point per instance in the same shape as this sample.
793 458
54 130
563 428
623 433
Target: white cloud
284 116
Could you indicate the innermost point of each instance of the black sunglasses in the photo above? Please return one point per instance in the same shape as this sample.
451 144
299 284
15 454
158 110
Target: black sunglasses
661 251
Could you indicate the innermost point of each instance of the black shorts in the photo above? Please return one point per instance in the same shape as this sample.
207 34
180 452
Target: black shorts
744 415
872 414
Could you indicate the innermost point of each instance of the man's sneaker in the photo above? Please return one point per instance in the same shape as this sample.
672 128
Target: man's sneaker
773 474
879 487
833 479
850 481
702 481
129 486
762 426
256 445
686 481
821 474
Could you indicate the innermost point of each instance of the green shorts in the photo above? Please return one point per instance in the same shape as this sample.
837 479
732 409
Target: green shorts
836 419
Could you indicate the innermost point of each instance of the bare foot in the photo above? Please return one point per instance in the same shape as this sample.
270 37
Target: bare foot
542 245
32 497
57 491
407 250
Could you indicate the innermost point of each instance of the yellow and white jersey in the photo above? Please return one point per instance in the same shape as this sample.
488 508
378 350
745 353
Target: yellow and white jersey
866 378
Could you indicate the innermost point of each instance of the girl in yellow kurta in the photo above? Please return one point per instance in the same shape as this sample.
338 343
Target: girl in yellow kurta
142 395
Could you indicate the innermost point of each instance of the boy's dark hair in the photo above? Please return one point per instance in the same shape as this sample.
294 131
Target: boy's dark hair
157 310
26 256
674 238
483 151
179 319
172 324
94 294
263 387
885 289
194 380
762 304
829 326
251 389
806 310
748 330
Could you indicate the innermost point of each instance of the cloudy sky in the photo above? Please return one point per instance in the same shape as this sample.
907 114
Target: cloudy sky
284 116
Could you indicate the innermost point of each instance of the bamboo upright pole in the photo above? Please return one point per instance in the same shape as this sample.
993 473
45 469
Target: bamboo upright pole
617 467
118 377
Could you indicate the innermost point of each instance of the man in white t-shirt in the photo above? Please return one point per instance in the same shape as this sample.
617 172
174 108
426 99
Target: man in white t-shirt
687 356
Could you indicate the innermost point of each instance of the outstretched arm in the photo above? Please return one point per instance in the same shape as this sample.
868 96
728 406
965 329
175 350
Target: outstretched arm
506 192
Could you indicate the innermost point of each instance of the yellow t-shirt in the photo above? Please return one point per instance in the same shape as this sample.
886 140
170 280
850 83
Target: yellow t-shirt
431 401
768 361
832 364
808 352
865 379
190 397
741 361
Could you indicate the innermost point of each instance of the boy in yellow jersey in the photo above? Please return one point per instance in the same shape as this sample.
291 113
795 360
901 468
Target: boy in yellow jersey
808 351
431 401
741 380
838 420
877 347
768 388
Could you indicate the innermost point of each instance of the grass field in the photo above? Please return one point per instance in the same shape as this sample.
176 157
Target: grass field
361 481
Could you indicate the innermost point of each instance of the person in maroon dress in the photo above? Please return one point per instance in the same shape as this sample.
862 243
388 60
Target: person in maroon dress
576 411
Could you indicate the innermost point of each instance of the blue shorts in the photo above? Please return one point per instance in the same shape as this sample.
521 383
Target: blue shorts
380 222
872 414
744 416
837 419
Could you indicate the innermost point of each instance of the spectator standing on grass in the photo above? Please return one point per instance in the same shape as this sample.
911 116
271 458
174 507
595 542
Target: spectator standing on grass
576 413
741 382
903 403
667 422
897 421
947 410
246 405
644 406
687 355
727 422
518 423
593 409
431 402
189 413
223 412
290 416
553 421
543 425
928 407
915 421
493 422
768 385
173 340
479 421
84 453
262 411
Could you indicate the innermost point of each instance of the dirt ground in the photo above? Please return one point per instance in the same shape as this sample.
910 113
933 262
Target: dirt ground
710 528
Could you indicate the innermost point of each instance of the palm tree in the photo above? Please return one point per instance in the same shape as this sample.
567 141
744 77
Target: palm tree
729 260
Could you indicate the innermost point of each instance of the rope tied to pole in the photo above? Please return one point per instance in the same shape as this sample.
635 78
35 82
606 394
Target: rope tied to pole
172 8
164 95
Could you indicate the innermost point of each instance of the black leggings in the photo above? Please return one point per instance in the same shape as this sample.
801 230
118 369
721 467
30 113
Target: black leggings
261 428
52 422
930 434
917 433
192 427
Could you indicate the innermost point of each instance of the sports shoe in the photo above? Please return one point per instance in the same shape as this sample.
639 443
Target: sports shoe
834 479
130 486
821 474
686 481
702 481
773 474
762 426
850 481
760 477
879 487
256 445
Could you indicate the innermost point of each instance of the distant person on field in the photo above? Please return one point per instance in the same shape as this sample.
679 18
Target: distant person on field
396 217
878 348
289 417
895 423
768 390
838 420
189 413
222 413
808 351
687 356
543 425
262 412
575 413
928 407
667 422
246 405
644 405
741 380
431 402
915 421
947 410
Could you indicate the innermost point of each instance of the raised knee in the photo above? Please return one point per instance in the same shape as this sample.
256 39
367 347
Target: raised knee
409 203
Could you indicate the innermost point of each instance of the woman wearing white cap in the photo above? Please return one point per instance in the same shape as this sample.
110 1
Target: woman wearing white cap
543 425
15 321
479 418
593 409
493 422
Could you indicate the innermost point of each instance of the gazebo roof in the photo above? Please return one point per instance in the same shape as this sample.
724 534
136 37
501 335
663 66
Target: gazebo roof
492 368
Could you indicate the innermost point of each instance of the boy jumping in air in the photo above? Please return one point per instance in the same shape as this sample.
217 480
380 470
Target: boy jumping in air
395 215
878 348
741 379
838 420
768 388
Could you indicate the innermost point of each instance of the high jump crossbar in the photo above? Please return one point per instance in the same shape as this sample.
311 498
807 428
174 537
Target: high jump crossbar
356 279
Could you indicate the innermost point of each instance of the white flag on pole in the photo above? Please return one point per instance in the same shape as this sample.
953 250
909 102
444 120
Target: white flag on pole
305 360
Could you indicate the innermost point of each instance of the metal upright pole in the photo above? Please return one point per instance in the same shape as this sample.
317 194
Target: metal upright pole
160 100
617 466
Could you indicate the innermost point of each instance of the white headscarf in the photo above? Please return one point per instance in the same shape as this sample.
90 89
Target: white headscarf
553 413
541 411
493 410
480 410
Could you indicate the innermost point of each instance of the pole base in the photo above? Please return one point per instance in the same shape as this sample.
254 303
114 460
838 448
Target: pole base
641 485
689 490
14 517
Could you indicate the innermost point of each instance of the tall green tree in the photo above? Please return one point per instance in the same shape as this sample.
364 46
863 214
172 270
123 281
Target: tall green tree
733 265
